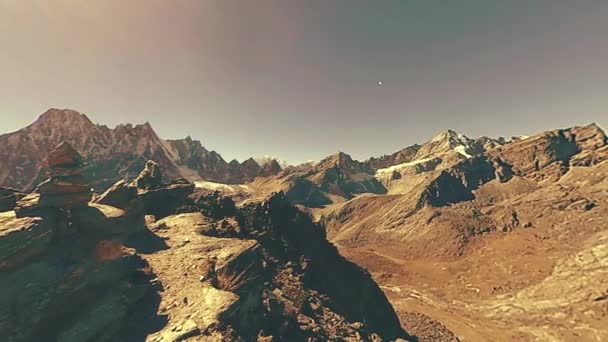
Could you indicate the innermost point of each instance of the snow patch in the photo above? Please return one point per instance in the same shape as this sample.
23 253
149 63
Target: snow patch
400 167
264 159
221 186
462 150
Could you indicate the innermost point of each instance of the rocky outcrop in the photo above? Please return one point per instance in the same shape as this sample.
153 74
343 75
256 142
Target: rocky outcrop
457 184
549 155
303 191
148 193
66 186
65 272
337 177
211 203
302 255
150 177
341 175
22 238
74 292
161 199
265 274
9 198
446 142
120 195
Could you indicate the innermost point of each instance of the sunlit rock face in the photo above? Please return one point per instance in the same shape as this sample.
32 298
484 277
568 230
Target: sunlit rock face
112 153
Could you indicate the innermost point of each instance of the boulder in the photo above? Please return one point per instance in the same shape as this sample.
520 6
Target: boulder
64 155
150 177
103 221
164 201
212 204
22 238
66 187
63 185
120 195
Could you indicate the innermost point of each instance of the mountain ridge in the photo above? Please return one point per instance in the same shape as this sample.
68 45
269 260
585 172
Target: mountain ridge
121 150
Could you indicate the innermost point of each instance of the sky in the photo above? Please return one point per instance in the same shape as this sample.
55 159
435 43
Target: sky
299 79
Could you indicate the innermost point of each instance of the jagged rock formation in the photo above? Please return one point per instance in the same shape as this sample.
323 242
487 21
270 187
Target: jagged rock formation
542 158
270 167
498 240
494 224
294 239
267 158
65 272
339 177
111 154
150 177
267 273
264 271
446 142
335 178
66 187
250 169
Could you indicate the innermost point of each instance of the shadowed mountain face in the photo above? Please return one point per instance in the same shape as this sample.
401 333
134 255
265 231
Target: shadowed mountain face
112 153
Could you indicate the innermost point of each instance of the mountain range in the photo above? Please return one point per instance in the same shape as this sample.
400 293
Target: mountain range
481 239
120 151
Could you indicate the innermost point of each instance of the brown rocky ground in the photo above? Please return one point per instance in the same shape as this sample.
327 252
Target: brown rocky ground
150 261
474 240
523 261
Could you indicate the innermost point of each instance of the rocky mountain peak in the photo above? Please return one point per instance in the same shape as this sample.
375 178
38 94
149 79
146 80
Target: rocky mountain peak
250 169
58 123
267 158
250 163
271 167
62 115
339 160
591 136
451 138
450 141
119 151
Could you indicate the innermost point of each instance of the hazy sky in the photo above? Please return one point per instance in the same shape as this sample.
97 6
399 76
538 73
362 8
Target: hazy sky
299 79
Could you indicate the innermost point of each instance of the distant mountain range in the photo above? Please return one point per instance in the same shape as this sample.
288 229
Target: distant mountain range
122 150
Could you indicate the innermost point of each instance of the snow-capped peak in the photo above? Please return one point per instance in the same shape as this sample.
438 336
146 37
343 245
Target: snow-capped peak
265 159
452 136
458 142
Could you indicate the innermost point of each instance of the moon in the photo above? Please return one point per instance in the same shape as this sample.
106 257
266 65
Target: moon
380 83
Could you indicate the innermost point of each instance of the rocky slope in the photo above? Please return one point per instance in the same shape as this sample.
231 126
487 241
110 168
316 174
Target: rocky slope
492 233
148 261
338 177
478 239
113 153
334 179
